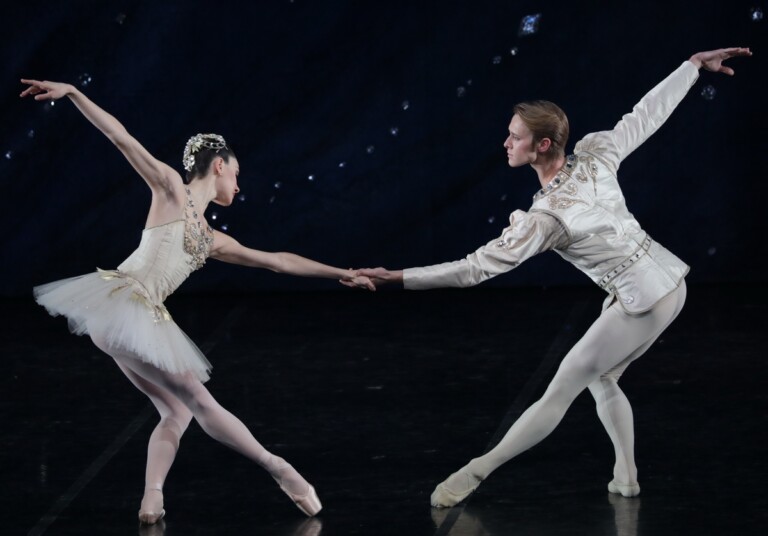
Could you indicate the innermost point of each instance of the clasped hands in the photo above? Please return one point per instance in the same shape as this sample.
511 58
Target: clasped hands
371 278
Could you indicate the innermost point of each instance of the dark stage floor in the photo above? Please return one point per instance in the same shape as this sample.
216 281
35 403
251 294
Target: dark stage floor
376 399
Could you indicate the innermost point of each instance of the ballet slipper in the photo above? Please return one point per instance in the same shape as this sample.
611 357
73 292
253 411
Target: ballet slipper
309 503
450 494
626 490
148 517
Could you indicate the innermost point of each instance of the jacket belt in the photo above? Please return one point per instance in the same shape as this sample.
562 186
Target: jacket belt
642 249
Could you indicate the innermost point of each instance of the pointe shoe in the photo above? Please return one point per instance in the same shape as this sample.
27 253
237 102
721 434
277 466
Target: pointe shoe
150 518
309 503
626 490
444 497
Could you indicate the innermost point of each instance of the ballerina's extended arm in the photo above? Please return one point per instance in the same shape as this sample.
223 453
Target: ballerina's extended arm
159 176
227 249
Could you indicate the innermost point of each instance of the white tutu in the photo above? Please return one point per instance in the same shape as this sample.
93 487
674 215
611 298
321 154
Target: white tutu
115 309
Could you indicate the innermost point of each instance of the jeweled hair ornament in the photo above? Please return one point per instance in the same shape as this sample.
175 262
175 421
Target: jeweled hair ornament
198 142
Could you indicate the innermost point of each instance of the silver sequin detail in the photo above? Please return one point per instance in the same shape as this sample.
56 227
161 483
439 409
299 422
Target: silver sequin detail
562 202
578 168
197 239
559 179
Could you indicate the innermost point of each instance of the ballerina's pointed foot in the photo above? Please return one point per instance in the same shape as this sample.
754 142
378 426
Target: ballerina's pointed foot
150 518
307 502
151 510
454 489
626 490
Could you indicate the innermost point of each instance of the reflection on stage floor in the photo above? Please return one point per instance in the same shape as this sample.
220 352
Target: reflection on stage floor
376 398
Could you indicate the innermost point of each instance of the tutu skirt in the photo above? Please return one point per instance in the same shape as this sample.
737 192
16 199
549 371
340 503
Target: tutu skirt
117 311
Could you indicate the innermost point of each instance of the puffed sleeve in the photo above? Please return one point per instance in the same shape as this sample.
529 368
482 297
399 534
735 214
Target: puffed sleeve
613 146
527 235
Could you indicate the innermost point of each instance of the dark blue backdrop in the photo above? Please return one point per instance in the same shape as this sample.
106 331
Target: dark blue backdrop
396 110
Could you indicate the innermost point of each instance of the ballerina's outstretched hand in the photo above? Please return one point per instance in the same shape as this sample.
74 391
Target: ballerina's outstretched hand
44 90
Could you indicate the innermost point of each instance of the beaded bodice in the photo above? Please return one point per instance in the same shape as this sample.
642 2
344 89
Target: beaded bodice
168 253
197 237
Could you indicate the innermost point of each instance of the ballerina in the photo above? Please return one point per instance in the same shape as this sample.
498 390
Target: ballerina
122 310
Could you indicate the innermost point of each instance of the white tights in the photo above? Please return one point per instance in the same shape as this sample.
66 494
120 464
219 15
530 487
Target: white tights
178 398
595 362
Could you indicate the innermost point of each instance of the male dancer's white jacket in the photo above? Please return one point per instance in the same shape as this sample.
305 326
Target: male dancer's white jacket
582 215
